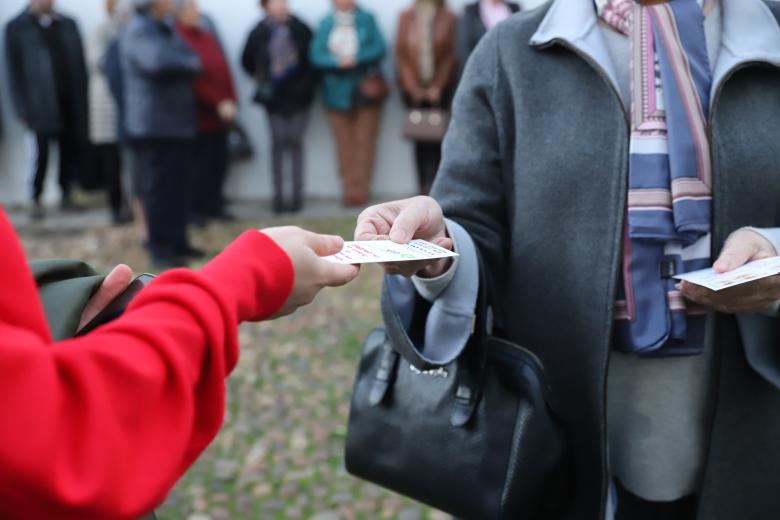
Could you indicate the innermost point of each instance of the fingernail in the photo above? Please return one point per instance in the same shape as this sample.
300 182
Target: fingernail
399 236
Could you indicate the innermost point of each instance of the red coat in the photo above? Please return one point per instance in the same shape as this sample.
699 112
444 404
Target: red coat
215 83
103 426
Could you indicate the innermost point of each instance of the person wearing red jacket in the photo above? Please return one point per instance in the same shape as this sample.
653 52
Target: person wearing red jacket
102 426
215 97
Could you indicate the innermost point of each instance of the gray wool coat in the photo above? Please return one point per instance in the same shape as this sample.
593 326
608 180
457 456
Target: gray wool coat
158 69
535 169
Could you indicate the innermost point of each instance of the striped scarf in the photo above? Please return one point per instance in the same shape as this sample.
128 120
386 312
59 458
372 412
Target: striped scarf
667 228
284 53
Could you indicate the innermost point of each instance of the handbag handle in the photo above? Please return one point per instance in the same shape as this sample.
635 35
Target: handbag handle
471 373
471 360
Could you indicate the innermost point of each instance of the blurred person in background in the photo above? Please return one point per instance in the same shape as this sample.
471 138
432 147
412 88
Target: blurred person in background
348 48
112 70
215 98
478 18
276 54
425 54
106 153
158 70
48 78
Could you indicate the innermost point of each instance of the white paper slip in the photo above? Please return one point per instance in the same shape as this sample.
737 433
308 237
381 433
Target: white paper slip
378 251
747 273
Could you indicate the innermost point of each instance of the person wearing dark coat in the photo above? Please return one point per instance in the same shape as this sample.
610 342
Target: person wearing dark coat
478 18
587 167
158 70
48 77
276 55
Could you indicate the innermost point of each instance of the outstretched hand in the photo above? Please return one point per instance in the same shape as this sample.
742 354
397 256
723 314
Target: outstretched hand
312 273
743 246
402 221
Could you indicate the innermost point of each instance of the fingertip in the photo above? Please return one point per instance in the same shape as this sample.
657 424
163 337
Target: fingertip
343 274
121 271
445 243
721 266
399 236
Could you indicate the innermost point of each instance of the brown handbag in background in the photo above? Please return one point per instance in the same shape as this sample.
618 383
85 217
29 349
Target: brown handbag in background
427 125
373 87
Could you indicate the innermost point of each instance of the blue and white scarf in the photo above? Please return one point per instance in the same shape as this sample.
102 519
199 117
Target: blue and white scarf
667 228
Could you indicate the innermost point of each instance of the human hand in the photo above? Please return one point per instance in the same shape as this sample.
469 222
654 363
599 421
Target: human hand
312 273
114 284
402 221
347 62
743 246
433 95
227 110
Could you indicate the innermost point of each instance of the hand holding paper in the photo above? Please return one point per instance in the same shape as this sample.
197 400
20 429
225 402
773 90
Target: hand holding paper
402 221
383 251
742 280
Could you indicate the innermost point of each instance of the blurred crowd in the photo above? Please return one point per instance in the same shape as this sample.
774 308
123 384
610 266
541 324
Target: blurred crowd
154 79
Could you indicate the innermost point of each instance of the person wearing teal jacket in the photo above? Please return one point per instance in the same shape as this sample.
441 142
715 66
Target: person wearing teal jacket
348 50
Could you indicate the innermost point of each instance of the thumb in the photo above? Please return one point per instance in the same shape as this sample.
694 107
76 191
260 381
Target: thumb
444 242
736 252
409 220
325 245
113 285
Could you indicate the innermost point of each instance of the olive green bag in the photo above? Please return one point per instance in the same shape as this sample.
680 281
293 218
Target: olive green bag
65 287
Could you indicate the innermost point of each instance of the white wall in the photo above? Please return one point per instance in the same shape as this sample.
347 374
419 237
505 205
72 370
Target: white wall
235 18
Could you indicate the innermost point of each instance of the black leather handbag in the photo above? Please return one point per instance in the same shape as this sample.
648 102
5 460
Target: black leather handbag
474 438
239 145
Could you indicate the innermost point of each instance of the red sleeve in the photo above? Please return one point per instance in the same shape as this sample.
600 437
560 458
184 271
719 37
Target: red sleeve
103 426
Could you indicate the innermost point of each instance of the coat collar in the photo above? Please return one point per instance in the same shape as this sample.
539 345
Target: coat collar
750 34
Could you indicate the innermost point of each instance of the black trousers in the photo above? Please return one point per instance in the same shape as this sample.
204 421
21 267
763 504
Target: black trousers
71 161
107 161
631 507
287 142
427 156
210 165
162 176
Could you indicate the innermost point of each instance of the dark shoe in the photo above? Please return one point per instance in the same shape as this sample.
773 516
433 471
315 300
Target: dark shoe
68 206
192 252
122 217
37 213
198 221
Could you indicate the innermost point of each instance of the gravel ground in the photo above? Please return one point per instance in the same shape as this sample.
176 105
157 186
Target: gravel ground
280 452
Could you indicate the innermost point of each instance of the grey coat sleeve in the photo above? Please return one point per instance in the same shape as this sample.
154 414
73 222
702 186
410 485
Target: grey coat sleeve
471 185
156 56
